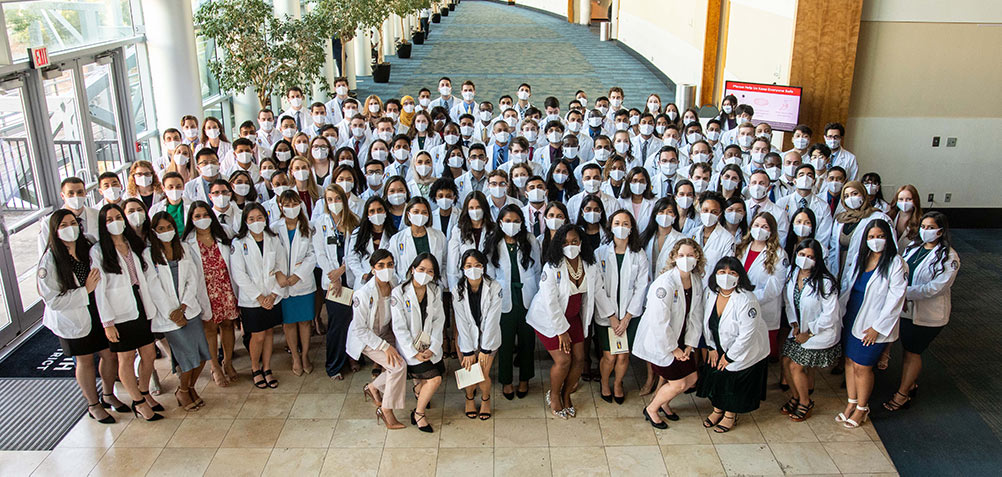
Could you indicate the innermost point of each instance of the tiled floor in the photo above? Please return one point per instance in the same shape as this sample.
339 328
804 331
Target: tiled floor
312 425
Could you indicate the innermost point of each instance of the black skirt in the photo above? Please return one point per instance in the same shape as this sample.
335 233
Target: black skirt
133 334
734 391
257 319
94 342
426 370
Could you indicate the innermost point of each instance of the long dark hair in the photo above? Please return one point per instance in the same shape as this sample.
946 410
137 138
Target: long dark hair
215 228
571 186
792 240
252 193
627 192
581 222
691 213
478 256
465 223
61 255
109 254
447 169
302 222
417 261
365 226
556 251
652 226
633 240
244 230
144 230
157 248
735 200
886 257
492 246
733 264
820 278
546 230
938 264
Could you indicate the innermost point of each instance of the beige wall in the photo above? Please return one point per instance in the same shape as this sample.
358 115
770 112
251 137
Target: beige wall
916 79
760 40
558 7
669 33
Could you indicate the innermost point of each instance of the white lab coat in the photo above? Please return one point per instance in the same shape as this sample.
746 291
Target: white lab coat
661 327
663 254
629 282
298 259
777 212
358 265
835 248
196 190
529 277
486 336
430 141
455 249
361 332
466 183
65 314
768 286
743 335
90 218
928 297
196 255
190 287
255 272
823 215
819 315
637 145
115 301
719 245
403 250
846 160
325 248
407 320
610 203
882 301
546 313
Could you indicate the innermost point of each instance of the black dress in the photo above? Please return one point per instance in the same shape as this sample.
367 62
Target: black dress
426 369
733 391
679 369
95 340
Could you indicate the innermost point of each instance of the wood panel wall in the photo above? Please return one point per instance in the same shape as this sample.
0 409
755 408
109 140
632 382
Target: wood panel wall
824 59
711 44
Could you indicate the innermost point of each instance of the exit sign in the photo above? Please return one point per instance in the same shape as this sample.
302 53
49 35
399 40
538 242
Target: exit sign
39 57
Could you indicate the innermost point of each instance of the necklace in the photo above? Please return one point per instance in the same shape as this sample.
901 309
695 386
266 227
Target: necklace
575 273
726 295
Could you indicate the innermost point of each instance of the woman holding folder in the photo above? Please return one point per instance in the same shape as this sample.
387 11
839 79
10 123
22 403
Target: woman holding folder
477 304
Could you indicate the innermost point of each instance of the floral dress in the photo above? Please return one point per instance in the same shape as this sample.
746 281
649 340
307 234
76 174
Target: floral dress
217 284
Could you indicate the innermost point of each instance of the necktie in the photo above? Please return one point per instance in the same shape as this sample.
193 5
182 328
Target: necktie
299 125
643 149
754 211
222 218
356 147
803 202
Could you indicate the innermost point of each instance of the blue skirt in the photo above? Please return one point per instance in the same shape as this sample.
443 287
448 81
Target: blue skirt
296 309
862 355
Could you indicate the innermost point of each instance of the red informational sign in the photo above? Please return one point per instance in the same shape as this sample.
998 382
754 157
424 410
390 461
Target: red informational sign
777 105
39 57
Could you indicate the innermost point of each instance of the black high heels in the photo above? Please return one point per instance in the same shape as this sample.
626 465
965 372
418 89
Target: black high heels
106 405
158 407
414 420
656 425
139 415
106 420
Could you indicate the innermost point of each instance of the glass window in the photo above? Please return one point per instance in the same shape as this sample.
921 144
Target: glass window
65 24
206 50
65 120
103 116
18 188
138 73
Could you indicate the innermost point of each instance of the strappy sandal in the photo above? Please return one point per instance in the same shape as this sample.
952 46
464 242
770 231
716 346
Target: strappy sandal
219 377
483 415
841 417
272 383
471 414
851 424
191 406
720 429
105 404
892 405
707 423
790 406
263 383
104 420
802 412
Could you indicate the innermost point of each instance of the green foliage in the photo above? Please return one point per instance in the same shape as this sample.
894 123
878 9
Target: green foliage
262 51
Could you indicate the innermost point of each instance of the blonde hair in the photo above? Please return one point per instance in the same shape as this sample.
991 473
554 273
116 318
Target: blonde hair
772 246
348 221
700 256
190 166
131 186
312 188
915 216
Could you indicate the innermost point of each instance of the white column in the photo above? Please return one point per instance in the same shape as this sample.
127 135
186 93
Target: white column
361 53
614 18
388 43
170 40
584 12
287 7
349 64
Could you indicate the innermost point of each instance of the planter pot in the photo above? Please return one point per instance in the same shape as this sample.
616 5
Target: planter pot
445 12
436 18
381 73
404 50
418 38
452 7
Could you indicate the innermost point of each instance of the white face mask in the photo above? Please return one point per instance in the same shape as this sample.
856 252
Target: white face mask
350 113
802 230
646 129
757 157
511 228
834 187
736 160
256 227
287 133
165 237
190 133
905 206
572 251
379 155
112 194
473 273
554 136
530 135
536 195
116 227
520 181
279 190
621 232
319 152
377 219
708 219
805 263
468 95
522 95
773 172
759 233
136 218
668 169
871 188
501 137
401 154
929 235
574 126
854 202
713 135
357 132
496 192
591 186
622 126
615 102
69 234
171 145
424 102
301 175
335 207
451 139
745 141
212 133
445 90
726 281
672 115
733 217
346 186
804 182
296 102
291 212
456 161
559 177
220 201
621 147
693 138
833 144
466 130
241 189
800 142
728 184
758 191
408 108
683 202
397 198
444 202
595 121
700 185
283 156
209 170
686 264
422 170
570 152
664 220
374 179
301 147
877 244
341 90
617 174
485 116
393 115
174 195
475 214
319 119
602 154
384 275
374 107
638 188
518 157
478 164
417 220
591 217
554 223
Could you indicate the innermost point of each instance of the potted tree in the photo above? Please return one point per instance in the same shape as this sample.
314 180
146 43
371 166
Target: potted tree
404 8
436 16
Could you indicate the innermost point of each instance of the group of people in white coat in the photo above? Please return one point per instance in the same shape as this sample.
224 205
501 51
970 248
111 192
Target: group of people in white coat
431 229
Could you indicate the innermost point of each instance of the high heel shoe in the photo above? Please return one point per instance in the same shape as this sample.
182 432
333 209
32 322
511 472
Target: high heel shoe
671 417
191 406
892 405
522 394
619 399
105 420
606 397
272 382
106 405
158 407
841 417
656 425
851 424
471 414
415 416
139 415
367 393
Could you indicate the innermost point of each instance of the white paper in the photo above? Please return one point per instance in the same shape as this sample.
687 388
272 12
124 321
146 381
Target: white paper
466 378
344 298
423 341
618 344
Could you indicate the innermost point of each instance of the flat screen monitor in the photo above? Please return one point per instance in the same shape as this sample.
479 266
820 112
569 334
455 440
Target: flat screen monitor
774 104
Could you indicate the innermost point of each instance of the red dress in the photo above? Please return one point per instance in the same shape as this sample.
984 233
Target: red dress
217 284
573 316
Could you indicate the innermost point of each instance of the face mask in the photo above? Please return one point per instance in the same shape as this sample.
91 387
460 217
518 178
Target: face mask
789 170
713 135
731 217
518 157
621 232
572 251
646 129
379 155
473 273
171 145
536 195
291 212
554 223
834 187
202 223
283 156
397 198
552 117
764 135
288 133
341 90
385 135
686 264
617 175
350 113
574 126
602 154
700 185
319 119
692 138
496 191
296 102
346 186
190 133
255 227
374 179
209 170
520 181
653 107
638 188
478 164
664 220
570 152
377 219
475 214
181 159
319 152
668 169
804 182
335 207
393 115
301 175
384 275
732 160
746 141
511 228
905 206
592 217
221 201
302 147
69 234
683 202
758 191
174 195
672 115
112 194
212 133
559 178
422 170
621 147
408 108
424 102
501 137
116 227
871 188
726 281
800 142
854 202
522 95
616 103
708 219
554 136
456 161
728 184
802 230
594 122
401 154
136 218
805 263
877 245
451 139
374 107
485 116
357 132
758 157
530 135
279 190
444 202
660 129
417 219
465 131
591 186
622 126
671 141
759 233
773 172
247 158
929 235
165 237
445 90
833 144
